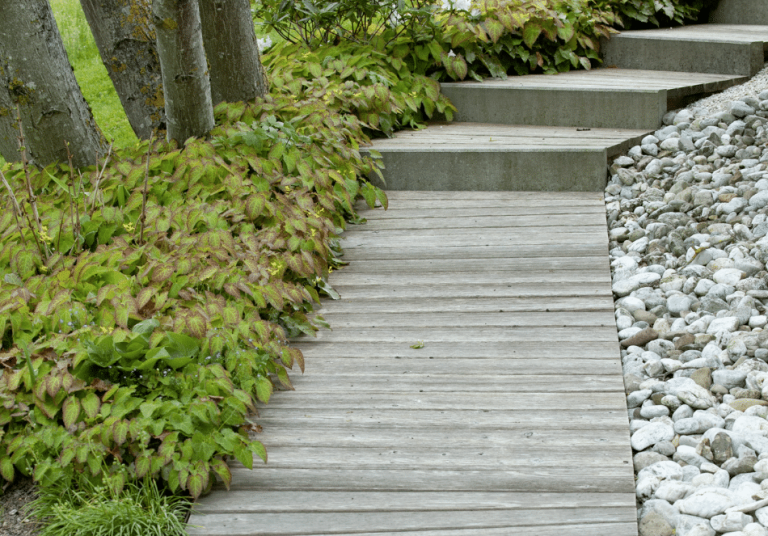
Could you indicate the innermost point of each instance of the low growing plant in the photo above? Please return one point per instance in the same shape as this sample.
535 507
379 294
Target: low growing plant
150 307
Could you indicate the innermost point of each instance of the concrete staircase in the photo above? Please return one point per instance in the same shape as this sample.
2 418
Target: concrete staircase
558 132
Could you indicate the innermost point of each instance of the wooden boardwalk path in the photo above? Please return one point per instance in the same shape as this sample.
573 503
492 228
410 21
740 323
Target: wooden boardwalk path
511 420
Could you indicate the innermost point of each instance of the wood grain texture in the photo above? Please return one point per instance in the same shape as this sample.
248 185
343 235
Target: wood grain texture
507 417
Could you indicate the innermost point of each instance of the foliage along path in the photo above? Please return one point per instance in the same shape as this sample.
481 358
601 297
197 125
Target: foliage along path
472 382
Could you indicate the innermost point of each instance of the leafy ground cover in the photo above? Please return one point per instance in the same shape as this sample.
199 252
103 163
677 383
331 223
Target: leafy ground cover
146 302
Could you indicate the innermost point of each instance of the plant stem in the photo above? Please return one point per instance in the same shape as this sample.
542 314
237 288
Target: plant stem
143 216
16 207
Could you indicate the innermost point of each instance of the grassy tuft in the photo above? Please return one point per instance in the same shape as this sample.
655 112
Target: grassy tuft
88 510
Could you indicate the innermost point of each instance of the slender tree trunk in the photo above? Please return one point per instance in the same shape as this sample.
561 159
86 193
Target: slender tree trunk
36 75
188 106
230 43
125 37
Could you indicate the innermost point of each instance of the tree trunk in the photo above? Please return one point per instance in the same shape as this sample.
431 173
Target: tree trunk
35 74
233 55
125 37
188 106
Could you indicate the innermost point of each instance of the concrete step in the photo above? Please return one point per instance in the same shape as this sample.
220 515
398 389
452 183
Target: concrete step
494 157
705 48
600 98
740 12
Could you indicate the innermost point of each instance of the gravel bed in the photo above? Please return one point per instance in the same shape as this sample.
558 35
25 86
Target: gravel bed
13 501
688 226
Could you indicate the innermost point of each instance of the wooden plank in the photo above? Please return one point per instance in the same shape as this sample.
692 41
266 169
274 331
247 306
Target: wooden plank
583 222
465 319
404 501
340 421
447 290
320 436
476 334
485 197
317 366
456 383
596 199
560 478
348 523
550 276
580 529
314 349
465 305
450 456
478 251
476 240
531 402
403 212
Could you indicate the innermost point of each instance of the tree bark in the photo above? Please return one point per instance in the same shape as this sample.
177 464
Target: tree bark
35 74
233 55
125 37
188 106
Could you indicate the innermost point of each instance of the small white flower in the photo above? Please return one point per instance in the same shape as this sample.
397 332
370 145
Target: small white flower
475 12
264 44
451 54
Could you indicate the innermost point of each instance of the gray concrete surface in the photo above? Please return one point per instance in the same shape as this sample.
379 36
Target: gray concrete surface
740 12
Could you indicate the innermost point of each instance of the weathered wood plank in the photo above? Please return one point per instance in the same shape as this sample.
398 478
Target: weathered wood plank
318 365
349 523
577 222
464 305
477 240
476 334
520 441
404 501
581 529
552 276
446 290
340 321
552 349
612 479
400 212
457 383
532 402
451 456
520 417
478 251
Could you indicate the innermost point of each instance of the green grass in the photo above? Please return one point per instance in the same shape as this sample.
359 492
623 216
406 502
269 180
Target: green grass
91 73
138 510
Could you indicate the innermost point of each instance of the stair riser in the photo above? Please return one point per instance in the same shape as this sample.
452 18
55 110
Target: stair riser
631 52
740 12
576 170
558 107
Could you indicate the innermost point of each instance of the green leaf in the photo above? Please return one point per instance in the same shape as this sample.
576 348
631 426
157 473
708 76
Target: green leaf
531 32
143 465
258 449
244 456
146 327
120 432
195 484
220 468
263 389
7 470
181 346
91 405
70 411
